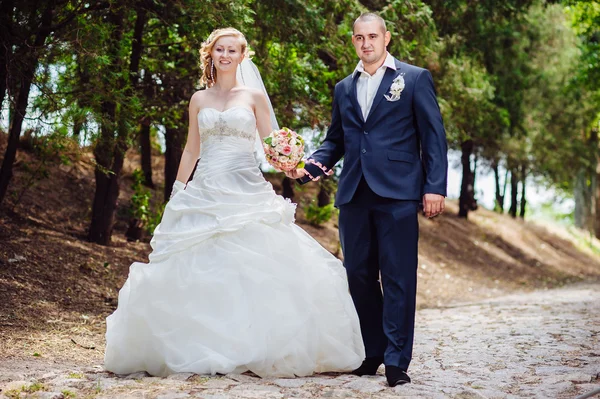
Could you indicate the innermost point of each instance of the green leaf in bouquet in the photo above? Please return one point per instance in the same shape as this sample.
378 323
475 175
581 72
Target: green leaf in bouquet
268 140
301 164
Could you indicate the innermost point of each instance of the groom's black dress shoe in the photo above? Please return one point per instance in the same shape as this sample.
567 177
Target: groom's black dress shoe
369 366
396 376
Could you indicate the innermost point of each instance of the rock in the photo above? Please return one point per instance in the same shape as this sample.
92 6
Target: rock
469 394
15 385
215 383
552 370
242 378
556 390
256 391
49 395
215 396
17 258
327 382
172 395
365 385
337 393
70 382
494 394
290 382
47 376
8 377
151 380
180 376
579 378
134 376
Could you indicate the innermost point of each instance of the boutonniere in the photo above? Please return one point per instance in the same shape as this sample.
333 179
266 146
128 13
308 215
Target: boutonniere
396 88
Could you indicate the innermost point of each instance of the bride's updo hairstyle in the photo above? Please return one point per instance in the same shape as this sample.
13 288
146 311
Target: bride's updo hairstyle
209 72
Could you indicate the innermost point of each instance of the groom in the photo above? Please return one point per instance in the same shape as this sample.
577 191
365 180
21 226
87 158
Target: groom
387 125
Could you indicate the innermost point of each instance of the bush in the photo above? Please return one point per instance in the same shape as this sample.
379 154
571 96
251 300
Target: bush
155 218
140 200
139 207
317 215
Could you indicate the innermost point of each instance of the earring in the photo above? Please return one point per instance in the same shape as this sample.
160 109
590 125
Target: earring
212 70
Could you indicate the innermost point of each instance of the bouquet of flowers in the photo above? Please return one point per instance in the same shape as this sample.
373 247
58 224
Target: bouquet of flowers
284 149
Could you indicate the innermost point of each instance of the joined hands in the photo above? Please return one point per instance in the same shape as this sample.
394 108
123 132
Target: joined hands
296 173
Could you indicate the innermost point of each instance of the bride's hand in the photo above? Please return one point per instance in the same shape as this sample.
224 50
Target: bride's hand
296 173
177 187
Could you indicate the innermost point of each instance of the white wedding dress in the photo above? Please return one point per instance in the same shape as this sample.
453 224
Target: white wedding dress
232 283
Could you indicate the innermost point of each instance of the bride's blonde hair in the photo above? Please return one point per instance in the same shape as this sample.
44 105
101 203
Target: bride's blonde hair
209 73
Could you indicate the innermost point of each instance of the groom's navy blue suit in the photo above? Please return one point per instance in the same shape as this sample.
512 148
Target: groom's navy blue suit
391 159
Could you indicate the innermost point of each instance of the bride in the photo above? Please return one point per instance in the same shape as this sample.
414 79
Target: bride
232 284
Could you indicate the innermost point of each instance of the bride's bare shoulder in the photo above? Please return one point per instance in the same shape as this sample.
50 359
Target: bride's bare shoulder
256 95
252 91
199 96
201 99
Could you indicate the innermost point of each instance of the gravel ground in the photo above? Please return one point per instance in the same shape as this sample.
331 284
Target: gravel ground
544 344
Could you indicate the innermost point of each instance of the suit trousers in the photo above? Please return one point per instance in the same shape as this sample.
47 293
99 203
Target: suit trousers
379 238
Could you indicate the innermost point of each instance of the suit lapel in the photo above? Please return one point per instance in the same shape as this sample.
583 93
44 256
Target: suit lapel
386 82
354 98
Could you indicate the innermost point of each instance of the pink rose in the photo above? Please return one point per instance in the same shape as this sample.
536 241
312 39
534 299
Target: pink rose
287 150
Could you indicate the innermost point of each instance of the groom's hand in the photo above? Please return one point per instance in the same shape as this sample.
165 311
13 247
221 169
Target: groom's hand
296 173
433 205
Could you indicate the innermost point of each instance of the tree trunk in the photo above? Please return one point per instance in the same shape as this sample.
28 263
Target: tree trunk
83 83
18 113
105 198
288 188
582 200
137 45
475 164
324 196
523 197
499 194
174 138
514 191
467 193
146 151
6 11
107 178
145 139
77 127
595 184
597 193
110 150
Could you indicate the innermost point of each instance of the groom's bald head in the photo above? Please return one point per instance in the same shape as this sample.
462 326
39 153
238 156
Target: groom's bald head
368 17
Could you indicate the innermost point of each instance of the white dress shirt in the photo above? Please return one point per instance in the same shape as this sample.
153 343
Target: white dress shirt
367 85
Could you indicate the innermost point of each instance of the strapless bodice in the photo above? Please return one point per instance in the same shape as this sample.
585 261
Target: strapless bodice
234 128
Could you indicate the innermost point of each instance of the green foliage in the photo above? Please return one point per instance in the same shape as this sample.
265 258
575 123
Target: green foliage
155 218
413 29
35 387
140 200
585 20
559 107
317 215
520 78
68 394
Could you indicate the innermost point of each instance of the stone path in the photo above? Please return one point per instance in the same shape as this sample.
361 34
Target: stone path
538 345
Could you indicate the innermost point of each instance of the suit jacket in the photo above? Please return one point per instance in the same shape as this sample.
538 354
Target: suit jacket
400 148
